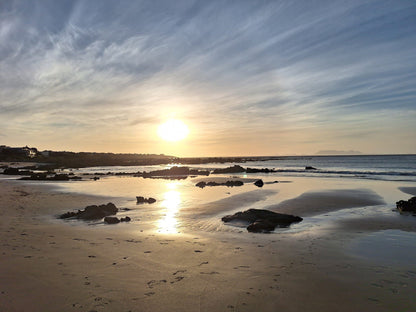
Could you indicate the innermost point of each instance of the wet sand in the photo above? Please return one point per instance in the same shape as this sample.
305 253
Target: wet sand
52 265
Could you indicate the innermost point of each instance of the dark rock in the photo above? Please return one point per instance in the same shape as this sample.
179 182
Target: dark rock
125 219
60 177
142 200
212 183
111 220
11 171
262 170
172 172
67 215
310 168
261 226
234 183
233 169
407 205
201 184
41 176
265 218
259 183
92 212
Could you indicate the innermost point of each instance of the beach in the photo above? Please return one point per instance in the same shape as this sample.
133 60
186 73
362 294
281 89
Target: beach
177 254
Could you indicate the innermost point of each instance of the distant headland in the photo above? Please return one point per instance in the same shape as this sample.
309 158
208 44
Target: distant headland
66 159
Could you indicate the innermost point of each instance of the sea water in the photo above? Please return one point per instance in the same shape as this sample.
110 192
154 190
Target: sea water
377 167
181 200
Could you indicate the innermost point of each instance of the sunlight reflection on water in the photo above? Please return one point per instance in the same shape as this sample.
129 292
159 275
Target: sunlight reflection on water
171 202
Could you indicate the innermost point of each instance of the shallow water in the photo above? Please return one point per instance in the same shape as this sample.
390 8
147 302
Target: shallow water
181 205
388 247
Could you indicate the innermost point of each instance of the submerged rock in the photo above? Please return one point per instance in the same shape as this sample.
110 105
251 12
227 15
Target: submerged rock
262 220
92 212
407 205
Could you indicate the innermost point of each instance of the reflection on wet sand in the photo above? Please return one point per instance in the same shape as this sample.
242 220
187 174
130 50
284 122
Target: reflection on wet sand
171 202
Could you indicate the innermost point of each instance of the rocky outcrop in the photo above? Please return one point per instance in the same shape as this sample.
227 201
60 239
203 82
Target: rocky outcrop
142 200
233 169
407 205
92 212
202 184
262 220
172 172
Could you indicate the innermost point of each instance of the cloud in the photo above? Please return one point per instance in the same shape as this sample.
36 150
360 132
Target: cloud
270 68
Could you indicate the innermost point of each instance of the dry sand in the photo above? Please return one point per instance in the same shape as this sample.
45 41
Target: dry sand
51 265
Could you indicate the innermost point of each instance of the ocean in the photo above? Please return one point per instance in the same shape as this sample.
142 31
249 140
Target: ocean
376 167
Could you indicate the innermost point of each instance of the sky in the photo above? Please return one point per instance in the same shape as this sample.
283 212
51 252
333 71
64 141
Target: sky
247 77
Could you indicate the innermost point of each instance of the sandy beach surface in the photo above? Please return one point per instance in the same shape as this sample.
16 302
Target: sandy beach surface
352 252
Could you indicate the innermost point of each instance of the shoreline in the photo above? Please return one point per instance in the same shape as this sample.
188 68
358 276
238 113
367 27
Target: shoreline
133 267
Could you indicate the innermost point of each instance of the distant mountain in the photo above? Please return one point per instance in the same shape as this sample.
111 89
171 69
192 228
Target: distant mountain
335 152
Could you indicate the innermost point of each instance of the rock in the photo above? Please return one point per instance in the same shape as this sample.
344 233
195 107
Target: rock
310 168
213 183
259 183
201 184
407 205
125 219
173 172
60 177
265 219
11 171
92 212
67 215
234 183
233 169
42 176
256 170
142 200
261 226
111 220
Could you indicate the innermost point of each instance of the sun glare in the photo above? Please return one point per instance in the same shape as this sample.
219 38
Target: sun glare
173 130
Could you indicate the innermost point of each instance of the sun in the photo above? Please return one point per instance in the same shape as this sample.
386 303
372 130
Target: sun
173 130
